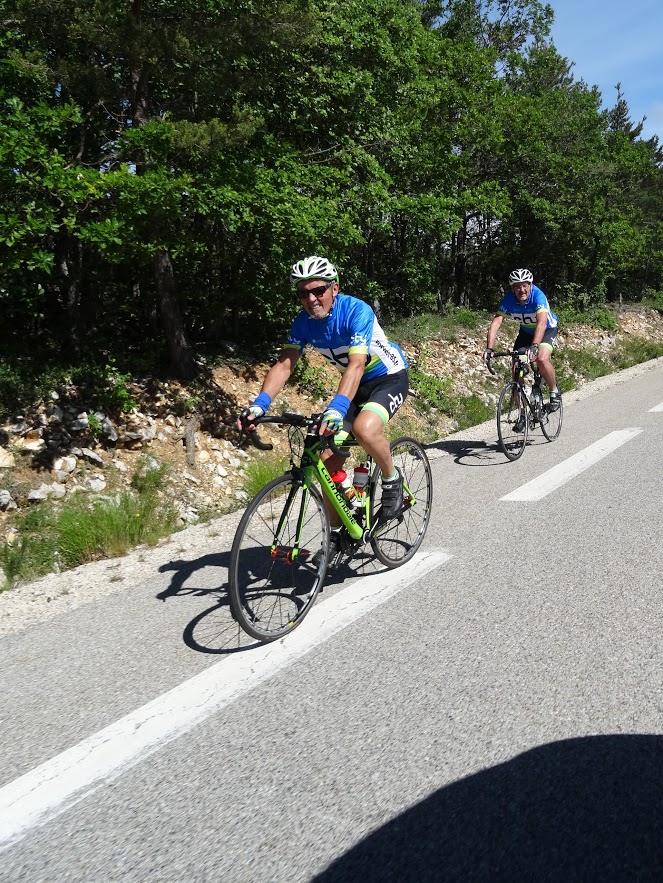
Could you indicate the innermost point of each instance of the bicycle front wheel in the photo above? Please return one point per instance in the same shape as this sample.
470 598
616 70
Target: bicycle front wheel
396 541
279 559
551 421
512 421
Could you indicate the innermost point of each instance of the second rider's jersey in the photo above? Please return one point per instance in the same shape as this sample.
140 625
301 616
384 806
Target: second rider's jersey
351 327
526 313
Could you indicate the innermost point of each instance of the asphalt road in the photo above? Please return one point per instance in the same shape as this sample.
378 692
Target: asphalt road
497 716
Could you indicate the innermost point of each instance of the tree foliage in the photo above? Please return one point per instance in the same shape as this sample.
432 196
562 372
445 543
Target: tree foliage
162 164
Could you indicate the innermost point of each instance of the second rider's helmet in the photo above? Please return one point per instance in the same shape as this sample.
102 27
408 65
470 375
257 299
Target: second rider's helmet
521 275
313 268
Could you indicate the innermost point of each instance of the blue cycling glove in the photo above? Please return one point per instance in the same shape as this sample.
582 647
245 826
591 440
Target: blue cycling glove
335 413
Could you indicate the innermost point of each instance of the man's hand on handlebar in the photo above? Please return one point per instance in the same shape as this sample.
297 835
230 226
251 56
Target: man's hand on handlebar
245 419
487 355
332 422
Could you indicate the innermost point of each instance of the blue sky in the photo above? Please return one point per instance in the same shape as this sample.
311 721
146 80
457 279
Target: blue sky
616 41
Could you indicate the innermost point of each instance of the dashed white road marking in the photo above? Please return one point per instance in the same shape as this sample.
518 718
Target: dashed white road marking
656 408
71 776
554 478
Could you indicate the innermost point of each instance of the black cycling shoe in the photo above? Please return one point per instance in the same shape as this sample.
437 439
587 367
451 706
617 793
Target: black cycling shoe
392 496
519 425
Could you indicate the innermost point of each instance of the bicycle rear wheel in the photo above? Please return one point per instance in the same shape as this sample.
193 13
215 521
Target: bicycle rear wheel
551 421
512 421
273 581
396 541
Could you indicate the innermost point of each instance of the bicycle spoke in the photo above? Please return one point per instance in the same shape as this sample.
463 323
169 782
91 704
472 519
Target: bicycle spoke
396 541
273 581
512 421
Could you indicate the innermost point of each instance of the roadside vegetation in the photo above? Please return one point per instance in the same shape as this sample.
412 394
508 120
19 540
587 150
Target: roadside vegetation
56 536
59 536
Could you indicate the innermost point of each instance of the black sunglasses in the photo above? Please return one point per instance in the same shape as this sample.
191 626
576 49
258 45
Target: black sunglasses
316 292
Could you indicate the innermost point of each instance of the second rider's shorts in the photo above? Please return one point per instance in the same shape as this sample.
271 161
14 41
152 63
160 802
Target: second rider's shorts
525 339
384 396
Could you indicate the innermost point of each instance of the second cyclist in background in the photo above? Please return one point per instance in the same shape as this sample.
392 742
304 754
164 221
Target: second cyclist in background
374 381
527 304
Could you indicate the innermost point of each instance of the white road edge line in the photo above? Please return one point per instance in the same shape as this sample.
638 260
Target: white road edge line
58 784
554 478
656 408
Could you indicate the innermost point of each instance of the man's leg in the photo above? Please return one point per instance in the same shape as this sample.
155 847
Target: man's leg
381 400
547 369
333 463
368 429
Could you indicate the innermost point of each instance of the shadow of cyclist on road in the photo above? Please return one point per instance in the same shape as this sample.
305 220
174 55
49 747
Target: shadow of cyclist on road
578 809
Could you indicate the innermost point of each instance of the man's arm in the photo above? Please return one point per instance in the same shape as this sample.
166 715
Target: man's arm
275 379
541 325
279 374
352 376
347 389
492 331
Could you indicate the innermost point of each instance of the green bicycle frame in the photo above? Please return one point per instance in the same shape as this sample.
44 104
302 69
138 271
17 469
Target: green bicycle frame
312 464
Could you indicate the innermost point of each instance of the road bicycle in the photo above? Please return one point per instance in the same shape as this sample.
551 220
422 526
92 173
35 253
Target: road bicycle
282 548
520 409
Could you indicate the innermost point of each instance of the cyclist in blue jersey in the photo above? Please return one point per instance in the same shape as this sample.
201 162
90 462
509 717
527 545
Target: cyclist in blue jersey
528 305
374 378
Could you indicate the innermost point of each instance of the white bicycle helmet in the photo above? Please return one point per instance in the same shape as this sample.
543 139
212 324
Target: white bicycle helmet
521 275
313 268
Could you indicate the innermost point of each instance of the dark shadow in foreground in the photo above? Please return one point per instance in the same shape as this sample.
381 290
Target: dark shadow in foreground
585 809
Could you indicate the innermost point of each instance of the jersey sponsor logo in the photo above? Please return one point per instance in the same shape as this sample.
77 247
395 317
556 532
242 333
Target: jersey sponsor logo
389 353
358 339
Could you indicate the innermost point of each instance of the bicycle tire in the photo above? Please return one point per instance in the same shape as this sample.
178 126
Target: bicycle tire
398 539
551 421
271 593
510 408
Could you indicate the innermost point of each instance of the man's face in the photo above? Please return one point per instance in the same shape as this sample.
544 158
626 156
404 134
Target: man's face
317 296
522 291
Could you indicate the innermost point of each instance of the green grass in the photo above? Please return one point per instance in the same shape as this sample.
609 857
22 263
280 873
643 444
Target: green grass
598 317
633 352
62 536
445 325
433 392
260 472
584 363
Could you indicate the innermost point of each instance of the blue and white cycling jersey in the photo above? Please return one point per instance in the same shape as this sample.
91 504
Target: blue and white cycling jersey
351 327
526 313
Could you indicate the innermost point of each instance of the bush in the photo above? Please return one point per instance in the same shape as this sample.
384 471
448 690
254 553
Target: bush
653 299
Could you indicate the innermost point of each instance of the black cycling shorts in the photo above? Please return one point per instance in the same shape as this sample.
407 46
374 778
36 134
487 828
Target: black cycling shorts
384 396
525 339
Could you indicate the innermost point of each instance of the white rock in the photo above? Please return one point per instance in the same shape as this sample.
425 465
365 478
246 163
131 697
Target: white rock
35 446
65 464
6 459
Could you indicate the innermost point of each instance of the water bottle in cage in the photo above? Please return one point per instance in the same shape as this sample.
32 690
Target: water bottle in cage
360 478
344 484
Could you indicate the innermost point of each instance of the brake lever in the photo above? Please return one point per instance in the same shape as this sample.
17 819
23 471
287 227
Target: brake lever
251 435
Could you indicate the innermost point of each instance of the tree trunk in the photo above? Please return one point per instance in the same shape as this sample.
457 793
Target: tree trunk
181 357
